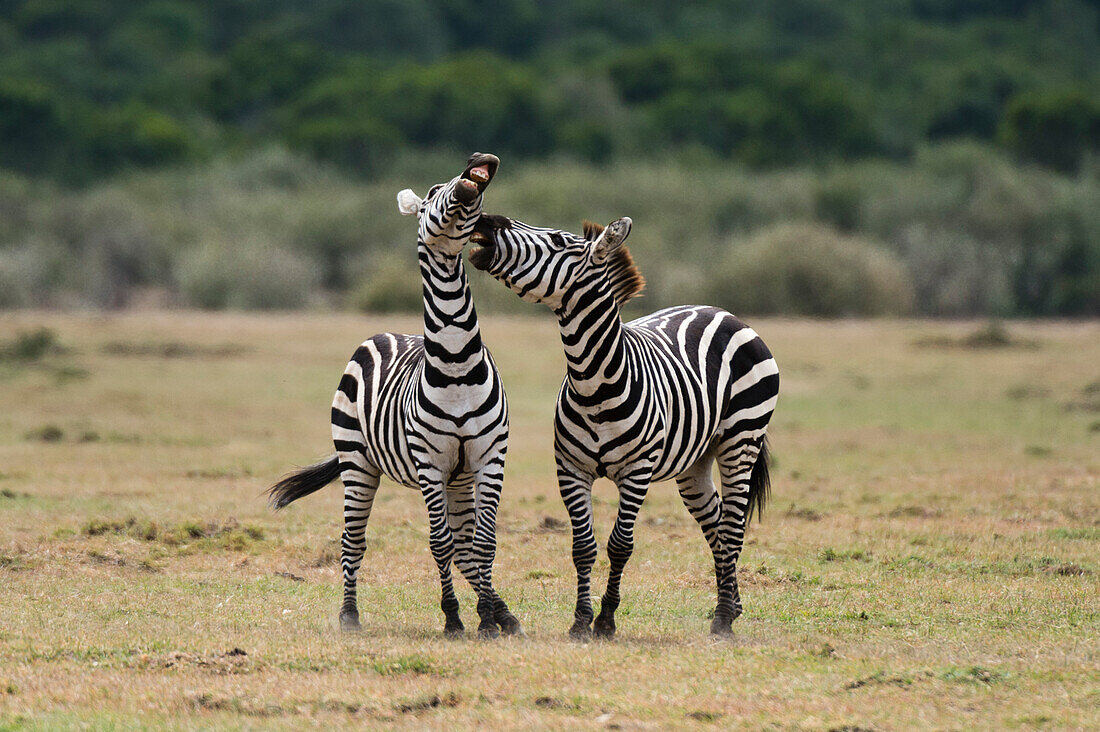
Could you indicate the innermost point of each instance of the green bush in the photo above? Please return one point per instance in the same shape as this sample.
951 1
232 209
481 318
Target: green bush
1053 128
393 285
246 275
808 270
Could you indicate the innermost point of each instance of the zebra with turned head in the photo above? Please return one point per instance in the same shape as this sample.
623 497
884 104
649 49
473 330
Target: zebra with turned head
663 396
429 412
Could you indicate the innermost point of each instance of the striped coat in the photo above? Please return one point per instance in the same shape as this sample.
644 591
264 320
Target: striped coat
663 397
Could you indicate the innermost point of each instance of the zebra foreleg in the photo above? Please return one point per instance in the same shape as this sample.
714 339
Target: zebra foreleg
462 516
360 487
489 481
442 544
703 502
576 493
620 545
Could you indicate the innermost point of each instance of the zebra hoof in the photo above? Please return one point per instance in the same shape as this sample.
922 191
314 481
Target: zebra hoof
509 625
604 627
349 621
488 631
454 630
721 627
580 631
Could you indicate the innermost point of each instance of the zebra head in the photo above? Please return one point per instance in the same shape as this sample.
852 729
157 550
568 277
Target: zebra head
556 267
450 210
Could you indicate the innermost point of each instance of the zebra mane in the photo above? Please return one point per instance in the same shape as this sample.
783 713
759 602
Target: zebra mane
624 277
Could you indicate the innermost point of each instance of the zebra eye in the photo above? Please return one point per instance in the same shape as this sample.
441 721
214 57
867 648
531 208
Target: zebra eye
434 189
558 240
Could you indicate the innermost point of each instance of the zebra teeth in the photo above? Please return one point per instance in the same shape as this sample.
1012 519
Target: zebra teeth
478 238
480 174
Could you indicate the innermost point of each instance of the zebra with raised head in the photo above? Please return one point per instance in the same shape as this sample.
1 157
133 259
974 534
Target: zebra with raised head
429 412
664 396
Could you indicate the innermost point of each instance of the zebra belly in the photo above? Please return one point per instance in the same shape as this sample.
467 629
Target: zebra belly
690 357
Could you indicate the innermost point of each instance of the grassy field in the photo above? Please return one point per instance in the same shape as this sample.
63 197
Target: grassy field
930 558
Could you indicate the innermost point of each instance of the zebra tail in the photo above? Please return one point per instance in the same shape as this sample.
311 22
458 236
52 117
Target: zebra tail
303 482
760 483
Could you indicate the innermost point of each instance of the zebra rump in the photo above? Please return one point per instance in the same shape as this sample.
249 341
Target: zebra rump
305 481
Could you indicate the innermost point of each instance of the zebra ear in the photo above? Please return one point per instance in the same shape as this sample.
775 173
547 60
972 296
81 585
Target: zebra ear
612 238
408 203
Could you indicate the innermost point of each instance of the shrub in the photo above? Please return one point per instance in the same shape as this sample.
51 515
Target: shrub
254 275
1052 128
392 286
808 270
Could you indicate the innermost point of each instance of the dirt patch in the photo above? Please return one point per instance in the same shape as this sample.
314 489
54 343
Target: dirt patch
174 349
233 661
291 576
914 512
1069 569
805 514
424 703
991 335
549 524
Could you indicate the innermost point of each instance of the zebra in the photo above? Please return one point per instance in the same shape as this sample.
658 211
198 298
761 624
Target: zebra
660 397
428 412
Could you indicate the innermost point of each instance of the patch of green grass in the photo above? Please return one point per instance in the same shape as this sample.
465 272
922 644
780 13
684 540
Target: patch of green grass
404 665
972 675
45 433
30 345
828 554
536 574
228 534
1088 533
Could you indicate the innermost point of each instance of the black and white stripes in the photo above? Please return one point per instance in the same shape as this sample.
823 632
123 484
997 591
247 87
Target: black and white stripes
428 412
665 396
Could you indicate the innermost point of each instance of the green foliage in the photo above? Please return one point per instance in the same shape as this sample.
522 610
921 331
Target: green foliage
30 345
249 274
393 285
810 271
91 87
1056 128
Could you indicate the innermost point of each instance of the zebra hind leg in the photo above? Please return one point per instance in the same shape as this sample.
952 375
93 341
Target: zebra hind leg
360 486
701 498
740 474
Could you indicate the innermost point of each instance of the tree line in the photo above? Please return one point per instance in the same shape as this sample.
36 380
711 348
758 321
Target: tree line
92 87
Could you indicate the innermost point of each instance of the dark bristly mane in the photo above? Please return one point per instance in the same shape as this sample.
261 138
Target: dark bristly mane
592 230
623 275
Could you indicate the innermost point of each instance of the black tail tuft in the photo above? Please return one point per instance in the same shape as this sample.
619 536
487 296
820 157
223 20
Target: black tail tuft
303 482
760 484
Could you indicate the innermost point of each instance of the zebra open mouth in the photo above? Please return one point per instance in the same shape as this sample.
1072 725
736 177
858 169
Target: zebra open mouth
480 169
481 256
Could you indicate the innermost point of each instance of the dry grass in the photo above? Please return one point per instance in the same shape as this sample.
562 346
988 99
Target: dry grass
929 559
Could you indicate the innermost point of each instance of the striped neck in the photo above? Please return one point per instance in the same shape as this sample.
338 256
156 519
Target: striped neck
592 334
452 336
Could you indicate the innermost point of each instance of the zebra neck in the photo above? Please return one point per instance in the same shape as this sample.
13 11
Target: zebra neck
452 336
593 337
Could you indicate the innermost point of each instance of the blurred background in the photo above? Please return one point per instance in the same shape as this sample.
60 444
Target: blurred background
865 157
